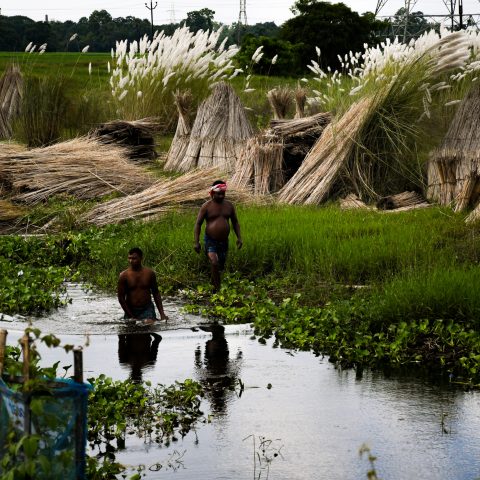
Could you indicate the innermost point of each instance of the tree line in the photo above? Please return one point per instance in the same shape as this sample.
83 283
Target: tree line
334 28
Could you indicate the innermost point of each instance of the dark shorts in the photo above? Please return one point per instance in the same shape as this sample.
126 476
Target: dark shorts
143 313
218 247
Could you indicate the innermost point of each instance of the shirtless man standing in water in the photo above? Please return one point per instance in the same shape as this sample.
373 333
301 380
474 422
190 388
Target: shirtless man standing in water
218 213
136 286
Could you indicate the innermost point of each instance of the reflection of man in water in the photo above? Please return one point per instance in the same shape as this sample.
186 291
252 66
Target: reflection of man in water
138 350
218 374
136 287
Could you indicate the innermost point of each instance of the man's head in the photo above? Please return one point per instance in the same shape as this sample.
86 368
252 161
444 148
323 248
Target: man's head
217 190
135 256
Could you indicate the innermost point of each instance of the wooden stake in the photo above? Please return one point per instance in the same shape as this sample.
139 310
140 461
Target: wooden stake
78 365
3 342
79 425
25 341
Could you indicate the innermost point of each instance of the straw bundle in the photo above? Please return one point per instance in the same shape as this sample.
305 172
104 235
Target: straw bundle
260 165
321 167
218 133
300 101
164 196
179 145
81 167
11 85
280 100
136 136
454 168
351 201
402 200
9 211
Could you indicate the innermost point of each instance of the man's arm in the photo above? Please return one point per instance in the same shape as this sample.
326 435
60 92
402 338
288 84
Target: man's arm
122 294
236 227
198 227
156 296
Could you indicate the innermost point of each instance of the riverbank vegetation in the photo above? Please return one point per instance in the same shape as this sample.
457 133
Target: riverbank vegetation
365 288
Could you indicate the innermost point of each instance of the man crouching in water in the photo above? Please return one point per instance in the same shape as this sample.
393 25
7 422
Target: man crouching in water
136 286
217 212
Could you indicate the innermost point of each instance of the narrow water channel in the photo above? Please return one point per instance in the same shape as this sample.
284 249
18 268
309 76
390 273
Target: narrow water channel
317 414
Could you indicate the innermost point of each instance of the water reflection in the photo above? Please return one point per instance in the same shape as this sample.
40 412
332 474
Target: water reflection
217 372
138 350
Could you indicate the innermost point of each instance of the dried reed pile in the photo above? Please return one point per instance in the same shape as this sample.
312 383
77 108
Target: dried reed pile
454 168
136 136
179 145
164 196
260 166
280 100
352 201
321 167
11 87
9 211
218 133
405 200
81 167
300 102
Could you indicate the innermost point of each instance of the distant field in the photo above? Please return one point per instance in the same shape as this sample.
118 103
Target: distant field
74 65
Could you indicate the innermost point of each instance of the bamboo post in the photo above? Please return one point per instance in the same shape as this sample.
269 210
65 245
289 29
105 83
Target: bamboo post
79 425
3 342
25 342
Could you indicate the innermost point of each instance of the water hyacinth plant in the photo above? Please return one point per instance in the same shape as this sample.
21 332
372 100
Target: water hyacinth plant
145 74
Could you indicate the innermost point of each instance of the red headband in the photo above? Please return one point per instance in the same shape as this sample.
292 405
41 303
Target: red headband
221 187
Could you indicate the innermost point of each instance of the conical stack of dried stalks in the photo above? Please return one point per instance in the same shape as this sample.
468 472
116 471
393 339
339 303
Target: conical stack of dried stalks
454 168
11 87
280 100
319 170
137 136
81 167
166 195
218 133
300 101
178 148
260 166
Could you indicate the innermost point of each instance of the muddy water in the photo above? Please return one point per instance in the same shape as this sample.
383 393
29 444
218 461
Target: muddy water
318 415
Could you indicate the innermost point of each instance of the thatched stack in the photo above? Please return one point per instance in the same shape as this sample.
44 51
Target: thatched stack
280 100
11 87
179 145
454 168
218 133
136 136
300 102
164 196
321 168
83 167
260 166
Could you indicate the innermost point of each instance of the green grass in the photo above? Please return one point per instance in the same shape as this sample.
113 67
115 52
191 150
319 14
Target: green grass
310 247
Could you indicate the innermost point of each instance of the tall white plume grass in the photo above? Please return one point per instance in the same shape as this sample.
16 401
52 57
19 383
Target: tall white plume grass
161 66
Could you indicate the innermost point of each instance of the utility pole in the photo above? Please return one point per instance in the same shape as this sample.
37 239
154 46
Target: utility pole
460 14
151 8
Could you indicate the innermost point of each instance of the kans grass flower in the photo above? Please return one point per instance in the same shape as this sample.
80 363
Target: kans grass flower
85 49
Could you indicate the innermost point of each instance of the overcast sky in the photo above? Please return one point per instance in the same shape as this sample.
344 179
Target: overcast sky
226 11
